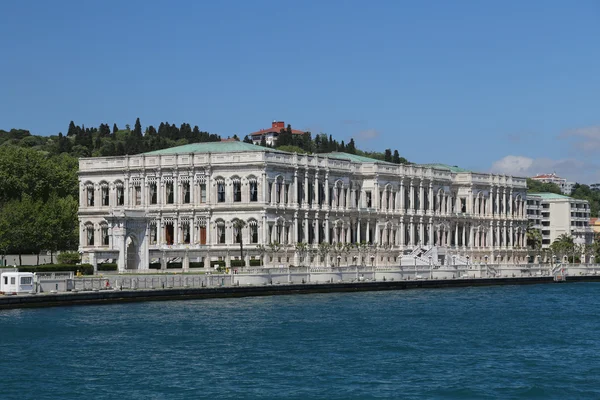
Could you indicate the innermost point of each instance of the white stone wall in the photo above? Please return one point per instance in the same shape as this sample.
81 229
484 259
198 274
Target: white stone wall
310 199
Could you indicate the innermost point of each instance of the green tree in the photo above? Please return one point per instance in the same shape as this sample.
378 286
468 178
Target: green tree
388 155
534 186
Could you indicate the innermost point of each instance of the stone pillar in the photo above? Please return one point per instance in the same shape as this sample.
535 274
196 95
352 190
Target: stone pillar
411 231
368 232
305 194
264 188
430 234
376 195
316 191
421 198
402 196
430 198
327 196
306 229
327 229
421 230
464 235
471 235
411 197
402 238
358 238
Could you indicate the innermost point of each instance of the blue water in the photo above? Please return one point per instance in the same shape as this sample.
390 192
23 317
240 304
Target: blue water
539 341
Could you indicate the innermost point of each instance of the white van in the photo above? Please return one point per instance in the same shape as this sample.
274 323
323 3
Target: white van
16 282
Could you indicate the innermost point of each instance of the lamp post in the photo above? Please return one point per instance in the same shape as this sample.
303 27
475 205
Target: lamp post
339 258
355 265
467 265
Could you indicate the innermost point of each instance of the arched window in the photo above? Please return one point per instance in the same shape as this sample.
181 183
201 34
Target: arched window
253 188
104 186
185 231
237 189
89 234
220 232
89 190
220 190
253 226
104 233
120 193
153 190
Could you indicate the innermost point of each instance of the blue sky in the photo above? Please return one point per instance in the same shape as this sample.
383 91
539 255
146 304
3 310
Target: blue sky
511 86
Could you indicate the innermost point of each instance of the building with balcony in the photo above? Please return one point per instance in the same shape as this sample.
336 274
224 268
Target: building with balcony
270 134
192 205
565 187
555 214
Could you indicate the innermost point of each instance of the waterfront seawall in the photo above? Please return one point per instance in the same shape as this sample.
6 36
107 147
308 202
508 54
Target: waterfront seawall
122 296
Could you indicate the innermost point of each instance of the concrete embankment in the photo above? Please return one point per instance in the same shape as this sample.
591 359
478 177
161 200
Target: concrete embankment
120 296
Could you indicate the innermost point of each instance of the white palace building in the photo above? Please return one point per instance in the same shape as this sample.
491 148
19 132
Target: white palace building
182 206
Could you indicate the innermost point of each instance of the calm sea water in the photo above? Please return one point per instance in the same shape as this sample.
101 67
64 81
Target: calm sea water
538 341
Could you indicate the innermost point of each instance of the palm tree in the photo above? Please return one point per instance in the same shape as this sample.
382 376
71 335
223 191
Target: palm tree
563 245
534 237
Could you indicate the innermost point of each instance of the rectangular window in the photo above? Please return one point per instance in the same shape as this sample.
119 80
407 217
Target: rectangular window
220 234
287 192
253 191
153 231
254 233
90 235
368 198
138 195
170 193
221 192
120 196
105 195
153 194
26 280
12 280
202 235
186 192
186 234
203 193
105 235
90 197
237 191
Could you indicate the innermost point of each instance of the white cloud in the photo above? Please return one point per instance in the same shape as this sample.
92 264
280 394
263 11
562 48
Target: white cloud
368 134
576 170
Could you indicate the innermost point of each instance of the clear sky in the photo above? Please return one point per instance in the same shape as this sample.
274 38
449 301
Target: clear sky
510 86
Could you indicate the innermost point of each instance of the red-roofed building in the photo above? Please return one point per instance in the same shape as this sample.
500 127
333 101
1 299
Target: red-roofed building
270 134
565 187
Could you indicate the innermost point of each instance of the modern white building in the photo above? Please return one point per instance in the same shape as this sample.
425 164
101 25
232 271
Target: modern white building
193 204
565 186
555 214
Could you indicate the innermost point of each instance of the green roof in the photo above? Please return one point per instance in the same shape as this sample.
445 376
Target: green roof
211 147
352 157
445 166
549 196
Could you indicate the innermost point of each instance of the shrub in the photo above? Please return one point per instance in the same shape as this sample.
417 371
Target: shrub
238 263
85 269
174 265
154 265
197 264
255 263
217 263
108 267
68 257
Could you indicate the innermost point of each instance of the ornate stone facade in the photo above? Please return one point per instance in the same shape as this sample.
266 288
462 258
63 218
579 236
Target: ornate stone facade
184 205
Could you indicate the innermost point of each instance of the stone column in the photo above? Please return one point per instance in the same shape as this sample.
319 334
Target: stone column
421 230
327 229
430 235
327 195
411 197
421 198
358 239
402 238
411 231
368 232
305 197
402 196
316 191
306 229
264 188
430 198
